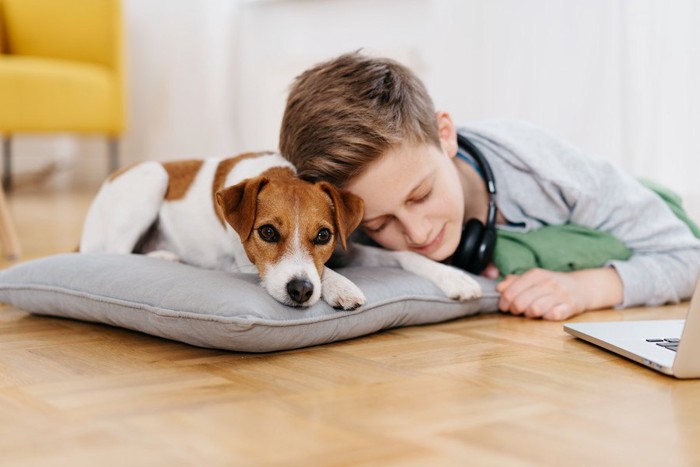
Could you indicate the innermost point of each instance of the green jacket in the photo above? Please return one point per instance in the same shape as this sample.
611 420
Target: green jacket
571 247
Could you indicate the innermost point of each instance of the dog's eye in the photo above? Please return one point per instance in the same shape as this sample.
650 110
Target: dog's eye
269 233
323 236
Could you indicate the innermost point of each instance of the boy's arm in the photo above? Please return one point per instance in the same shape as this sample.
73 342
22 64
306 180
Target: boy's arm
665 259
560 295
543 180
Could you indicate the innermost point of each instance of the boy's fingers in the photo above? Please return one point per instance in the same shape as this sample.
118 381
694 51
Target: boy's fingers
541 306
506 282
512 286
502 287
559 312
514 294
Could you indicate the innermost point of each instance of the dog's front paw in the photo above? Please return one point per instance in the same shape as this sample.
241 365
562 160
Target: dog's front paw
456 284
340 292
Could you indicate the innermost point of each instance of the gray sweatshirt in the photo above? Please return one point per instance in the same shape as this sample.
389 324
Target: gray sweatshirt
542 180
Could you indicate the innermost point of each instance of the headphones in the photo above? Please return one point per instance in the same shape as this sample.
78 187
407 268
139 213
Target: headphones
478 241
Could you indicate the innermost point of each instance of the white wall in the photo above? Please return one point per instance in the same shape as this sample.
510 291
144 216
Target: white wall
617 77
279 39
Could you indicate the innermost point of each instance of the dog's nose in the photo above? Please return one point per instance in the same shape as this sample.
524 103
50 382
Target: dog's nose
300 290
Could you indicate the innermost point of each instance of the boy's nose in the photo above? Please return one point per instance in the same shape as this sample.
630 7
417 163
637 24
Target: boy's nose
416 230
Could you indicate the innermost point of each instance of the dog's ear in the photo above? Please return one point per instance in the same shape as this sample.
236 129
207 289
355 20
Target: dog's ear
238 204
348 210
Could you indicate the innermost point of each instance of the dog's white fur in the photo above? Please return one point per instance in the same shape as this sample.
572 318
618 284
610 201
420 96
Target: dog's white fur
189 230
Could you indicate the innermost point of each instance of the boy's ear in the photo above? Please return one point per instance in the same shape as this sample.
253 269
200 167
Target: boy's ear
447 133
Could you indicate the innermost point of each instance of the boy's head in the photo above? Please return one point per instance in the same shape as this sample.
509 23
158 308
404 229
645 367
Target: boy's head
368 125
345 113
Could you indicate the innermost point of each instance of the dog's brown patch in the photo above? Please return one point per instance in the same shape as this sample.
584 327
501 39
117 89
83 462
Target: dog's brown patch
222 171
181 174
278 172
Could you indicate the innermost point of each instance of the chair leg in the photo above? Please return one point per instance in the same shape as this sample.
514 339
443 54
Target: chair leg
113 144
8 234
7 163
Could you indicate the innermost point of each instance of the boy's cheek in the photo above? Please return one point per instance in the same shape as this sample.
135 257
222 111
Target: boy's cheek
389 240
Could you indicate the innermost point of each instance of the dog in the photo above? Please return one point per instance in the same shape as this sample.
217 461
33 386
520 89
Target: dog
249 213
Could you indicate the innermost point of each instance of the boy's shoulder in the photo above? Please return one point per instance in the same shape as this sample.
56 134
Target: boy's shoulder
517 140
535 152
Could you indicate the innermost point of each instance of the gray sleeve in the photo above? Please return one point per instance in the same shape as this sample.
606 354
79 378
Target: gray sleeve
666 255
542 180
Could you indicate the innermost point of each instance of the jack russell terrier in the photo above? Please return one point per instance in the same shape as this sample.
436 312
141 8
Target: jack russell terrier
248 213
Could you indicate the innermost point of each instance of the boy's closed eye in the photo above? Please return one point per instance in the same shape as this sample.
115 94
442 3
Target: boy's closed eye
375 225
417 196
421 196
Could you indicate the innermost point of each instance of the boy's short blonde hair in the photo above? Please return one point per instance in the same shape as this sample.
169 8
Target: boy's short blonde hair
345 113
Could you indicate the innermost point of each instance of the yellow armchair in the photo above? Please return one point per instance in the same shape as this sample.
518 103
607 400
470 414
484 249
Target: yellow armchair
61 70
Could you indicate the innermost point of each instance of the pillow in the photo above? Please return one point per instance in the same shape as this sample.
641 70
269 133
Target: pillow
218 309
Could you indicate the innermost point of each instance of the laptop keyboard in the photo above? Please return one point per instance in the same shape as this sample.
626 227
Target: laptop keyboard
670 343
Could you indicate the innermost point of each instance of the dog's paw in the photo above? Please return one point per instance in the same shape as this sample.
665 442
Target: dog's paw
457 284
340 292
164 255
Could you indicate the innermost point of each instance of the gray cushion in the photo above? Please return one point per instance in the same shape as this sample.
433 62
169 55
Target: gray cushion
217 309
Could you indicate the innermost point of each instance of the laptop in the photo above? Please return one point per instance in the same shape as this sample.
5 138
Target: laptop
669 346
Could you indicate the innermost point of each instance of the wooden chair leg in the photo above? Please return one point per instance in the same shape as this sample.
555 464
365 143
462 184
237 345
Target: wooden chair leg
7 163
8 235
113 155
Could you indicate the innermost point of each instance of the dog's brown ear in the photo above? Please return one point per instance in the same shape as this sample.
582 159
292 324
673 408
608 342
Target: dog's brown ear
348 210
238 204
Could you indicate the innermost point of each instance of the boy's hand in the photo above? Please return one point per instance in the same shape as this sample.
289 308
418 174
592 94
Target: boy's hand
559 295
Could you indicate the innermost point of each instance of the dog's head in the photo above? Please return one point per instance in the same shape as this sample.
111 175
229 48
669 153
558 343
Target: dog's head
289 229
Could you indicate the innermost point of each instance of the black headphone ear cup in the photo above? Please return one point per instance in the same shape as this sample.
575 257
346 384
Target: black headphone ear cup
485 251
468 245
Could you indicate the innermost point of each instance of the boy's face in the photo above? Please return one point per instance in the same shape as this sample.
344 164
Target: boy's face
413 201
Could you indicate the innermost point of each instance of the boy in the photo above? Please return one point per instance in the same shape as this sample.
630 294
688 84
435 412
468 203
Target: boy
368 125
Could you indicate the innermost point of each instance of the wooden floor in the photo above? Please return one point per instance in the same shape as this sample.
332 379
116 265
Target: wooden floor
491 390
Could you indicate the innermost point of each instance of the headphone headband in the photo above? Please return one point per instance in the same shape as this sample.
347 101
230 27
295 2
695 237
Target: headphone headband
489 179
478 156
